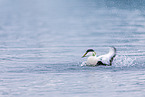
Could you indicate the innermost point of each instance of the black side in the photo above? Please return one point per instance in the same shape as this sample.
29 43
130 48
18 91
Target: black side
112 60
113 56
100 63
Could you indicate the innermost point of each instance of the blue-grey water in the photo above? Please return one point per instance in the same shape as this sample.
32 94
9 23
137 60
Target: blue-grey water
42 41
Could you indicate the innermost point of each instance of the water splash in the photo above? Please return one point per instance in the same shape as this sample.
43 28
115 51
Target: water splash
84 63
124 61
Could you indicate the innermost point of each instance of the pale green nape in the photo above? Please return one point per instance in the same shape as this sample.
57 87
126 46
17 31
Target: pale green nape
94 54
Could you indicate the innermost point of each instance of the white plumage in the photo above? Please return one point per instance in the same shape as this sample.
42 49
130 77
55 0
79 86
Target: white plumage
106 59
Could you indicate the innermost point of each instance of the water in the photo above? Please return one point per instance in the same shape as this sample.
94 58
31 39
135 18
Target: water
41 44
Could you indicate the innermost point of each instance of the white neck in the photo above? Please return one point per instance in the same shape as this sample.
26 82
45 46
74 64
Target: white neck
91 54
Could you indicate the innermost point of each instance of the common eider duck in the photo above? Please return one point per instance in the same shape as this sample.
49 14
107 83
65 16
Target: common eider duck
105 60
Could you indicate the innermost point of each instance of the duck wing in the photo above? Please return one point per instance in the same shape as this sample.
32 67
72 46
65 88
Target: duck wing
108 58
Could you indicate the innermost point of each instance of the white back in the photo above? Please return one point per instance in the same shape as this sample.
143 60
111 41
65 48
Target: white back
107 57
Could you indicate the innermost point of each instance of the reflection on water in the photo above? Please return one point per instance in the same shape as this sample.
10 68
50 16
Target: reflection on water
41 44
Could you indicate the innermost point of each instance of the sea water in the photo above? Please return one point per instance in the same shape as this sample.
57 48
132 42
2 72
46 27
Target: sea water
42 42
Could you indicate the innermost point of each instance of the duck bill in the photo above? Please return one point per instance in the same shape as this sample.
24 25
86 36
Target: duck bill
84 55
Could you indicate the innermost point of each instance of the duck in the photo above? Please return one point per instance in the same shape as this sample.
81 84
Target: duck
105 60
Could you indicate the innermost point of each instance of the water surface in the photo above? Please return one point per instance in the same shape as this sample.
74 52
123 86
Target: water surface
41 44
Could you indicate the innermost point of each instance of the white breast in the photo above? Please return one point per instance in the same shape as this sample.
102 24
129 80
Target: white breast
92 61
